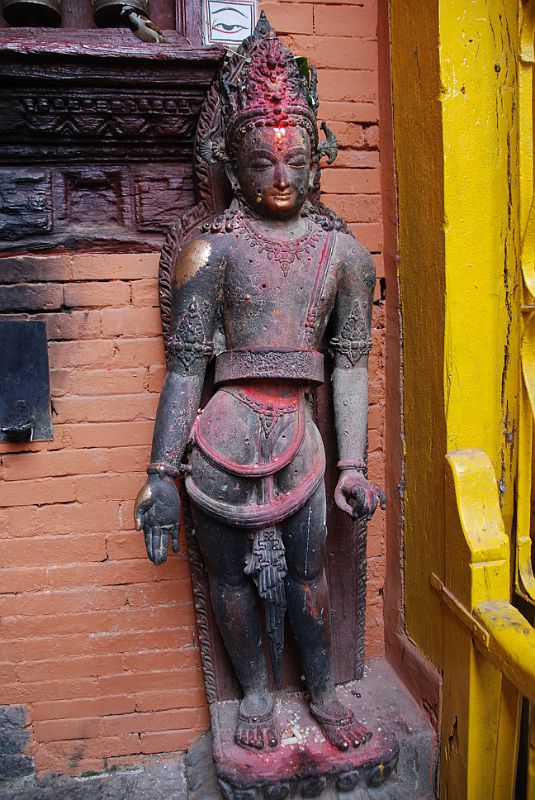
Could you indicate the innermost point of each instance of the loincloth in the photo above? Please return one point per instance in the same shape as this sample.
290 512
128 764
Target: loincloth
256 459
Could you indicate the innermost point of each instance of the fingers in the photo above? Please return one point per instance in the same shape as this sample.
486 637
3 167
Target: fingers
148 542
341 502
157 541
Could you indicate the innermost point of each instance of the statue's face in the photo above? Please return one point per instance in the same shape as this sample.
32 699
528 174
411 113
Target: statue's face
273 170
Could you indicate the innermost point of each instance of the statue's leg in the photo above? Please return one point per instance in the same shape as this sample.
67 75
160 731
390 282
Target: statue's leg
309 611
236 608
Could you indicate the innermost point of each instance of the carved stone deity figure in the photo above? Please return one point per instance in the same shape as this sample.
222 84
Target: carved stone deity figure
258 288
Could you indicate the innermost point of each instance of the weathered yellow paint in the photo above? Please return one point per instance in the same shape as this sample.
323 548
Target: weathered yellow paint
481 700
530 795
481 209
456 137
511 644
524 577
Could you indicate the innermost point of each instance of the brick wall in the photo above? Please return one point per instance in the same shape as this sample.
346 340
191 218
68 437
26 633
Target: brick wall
98 645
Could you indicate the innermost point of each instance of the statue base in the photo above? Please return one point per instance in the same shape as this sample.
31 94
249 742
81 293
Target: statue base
305 763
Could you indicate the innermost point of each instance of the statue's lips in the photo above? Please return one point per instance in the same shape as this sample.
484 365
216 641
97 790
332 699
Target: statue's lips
283 197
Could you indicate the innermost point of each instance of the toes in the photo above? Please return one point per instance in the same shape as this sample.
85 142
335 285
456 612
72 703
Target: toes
272 738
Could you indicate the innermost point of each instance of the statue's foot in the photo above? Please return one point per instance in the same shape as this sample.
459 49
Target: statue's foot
339 725
256 727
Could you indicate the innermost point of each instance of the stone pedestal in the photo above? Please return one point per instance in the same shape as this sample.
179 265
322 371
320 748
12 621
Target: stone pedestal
305 763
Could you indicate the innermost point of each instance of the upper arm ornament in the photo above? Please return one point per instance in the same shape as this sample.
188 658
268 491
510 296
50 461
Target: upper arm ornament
188 343
354 339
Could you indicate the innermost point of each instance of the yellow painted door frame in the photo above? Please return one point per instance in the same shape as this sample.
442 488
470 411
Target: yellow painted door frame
455 73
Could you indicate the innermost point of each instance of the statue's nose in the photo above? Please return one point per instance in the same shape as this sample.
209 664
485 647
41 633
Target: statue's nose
281 177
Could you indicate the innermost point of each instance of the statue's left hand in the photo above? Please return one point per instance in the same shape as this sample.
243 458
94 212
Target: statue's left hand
355 495
156 512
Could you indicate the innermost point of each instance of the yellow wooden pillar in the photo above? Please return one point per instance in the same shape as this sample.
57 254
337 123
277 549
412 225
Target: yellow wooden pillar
455 93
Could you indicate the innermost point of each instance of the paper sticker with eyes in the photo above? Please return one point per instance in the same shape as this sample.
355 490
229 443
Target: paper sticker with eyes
228 22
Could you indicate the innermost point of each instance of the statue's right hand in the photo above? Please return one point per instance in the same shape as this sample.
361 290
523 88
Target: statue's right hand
156 512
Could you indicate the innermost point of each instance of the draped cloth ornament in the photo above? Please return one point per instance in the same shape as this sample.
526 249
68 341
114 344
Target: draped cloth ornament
266 564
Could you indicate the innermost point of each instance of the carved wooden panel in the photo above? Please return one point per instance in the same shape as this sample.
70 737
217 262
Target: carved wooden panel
97 152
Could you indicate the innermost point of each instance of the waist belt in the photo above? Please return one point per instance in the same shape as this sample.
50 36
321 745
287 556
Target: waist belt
303 365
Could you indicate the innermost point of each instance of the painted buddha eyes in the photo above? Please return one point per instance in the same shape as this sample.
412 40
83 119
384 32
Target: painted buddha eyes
223 27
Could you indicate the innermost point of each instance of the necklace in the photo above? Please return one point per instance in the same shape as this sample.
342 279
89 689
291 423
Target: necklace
285 252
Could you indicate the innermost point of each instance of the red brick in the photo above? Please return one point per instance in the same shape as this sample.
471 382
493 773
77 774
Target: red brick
126 545
30 493
55 464
350 111
72 325
117 267
144 292
162 659
63 689
83 707
375 441
84 667
125 322
56 603
162 699
348 134
175 719
95 294
345 20
140 681
52 550
357 159
351 181
149 594
95 353
128 641
109 381
41 649
376 417
371 134
290 17
106 409
156 378
74 518
31 297
59 382
138 352
338 52
67 759
129 458
168 741
17 269
106 434
354 207
346 84
370 234
108 486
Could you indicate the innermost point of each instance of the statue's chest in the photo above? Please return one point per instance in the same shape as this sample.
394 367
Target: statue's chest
267 298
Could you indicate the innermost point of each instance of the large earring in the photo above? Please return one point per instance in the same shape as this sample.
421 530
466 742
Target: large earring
259 195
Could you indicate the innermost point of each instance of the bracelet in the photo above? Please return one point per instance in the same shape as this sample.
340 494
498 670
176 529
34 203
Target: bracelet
162 468
357 464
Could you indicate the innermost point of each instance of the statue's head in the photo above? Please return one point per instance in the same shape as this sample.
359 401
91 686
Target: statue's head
269 105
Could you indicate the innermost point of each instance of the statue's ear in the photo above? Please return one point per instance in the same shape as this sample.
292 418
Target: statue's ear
329 147
212 149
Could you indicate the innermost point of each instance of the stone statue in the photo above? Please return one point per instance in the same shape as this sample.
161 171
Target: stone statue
257 287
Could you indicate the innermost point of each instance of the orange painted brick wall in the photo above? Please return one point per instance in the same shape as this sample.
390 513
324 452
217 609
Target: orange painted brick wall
98 643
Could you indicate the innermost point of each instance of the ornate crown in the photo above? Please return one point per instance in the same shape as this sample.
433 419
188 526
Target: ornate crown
262 83
267 86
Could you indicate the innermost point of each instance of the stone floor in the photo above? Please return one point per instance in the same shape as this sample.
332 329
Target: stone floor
382 695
